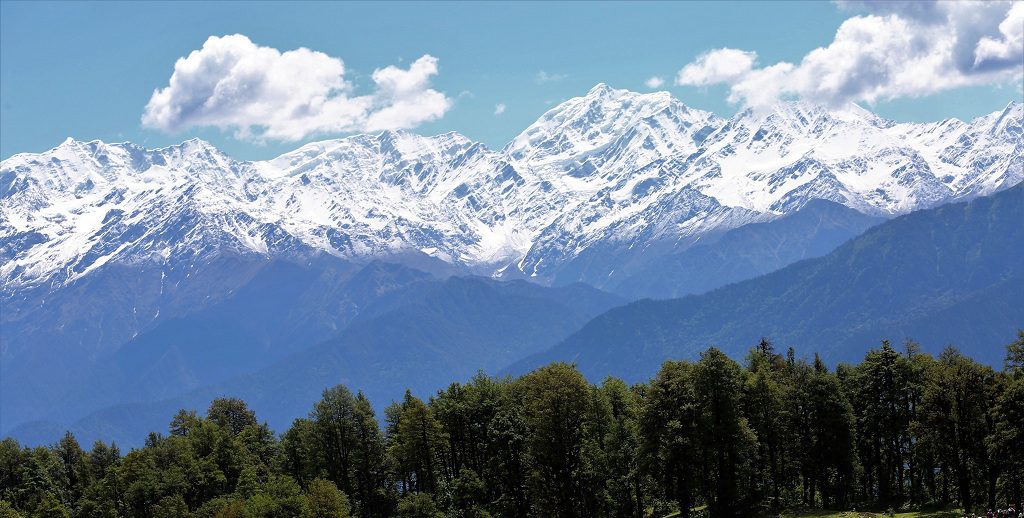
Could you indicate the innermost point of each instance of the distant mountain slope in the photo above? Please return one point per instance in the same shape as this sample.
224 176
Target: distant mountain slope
422 336
167 334
951 275
746 252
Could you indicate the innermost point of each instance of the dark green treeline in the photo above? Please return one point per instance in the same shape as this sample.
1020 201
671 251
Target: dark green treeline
902 429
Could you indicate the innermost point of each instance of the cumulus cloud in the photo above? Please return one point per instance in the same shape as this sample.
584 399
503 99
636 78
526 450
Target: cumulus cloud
1006 47
262 93
896 49
717 66
654 82
545 77
499 108
404 98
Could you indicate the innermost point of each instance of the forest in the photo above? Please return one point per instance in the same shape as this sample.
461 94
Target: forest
765 436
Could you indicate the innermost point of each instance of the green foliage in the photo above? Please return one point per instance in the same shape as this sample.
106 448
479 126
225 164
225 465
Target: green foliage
956 411
669 435
7 511
900 430
324 500
468 491
1015 356
50 507
415 440
172 506
299 454
626 484
556 403
418 505
184 422
279 497
725 441
231 413
1004 444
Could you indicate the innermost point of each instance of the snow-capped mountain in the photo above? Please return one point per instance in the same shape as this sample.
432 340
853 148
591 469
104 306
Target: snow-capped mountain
614 174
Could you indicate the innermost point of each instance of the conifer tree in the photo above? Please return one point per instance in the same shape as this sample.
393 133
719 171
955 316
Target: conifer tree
669 434
556 403
725 441
334 430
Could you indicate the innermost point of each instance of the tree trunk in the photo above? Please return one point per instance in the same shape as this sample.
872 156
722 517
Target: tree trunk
993 476
1016 493
775 478
964 486
638 487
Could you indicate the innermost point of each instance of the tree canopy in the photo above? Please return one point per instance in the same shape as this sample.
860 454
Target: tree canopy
711 437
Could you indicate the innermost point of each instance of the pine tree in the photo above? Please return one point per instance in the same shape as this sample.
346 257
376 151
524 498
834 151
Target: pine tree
300 456
764 409
954 410
782 433
1015 356
75 468
334 430
231 413
882 387
368 459
507 466
832 449
556 403
1008 436
668 432
725 441
415 443
625 478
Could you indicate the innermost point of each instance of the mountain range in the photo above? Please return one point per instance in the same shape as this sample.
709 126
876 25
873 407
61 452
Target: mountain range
613 173
130 275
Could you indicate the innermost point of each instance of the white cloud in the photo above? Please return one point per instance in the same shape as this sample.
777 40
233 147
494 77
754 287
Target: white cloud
499 108
1009 44
654 82
717 66
544 77
897 50
262 93
404 98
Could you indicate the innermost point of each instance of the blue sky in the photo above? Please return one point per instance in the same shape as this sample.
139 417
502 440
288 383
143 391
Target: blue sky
88 70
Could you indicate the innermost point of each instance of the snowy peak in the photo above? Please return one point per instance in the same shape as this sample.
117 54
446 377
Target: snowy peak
599 90
74 163
399 159
800 119
583 124
589 136
1008 122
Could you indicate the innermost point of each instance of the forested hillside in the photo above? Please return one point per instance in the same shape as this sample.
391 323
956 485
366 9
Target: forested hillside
954 274
713 437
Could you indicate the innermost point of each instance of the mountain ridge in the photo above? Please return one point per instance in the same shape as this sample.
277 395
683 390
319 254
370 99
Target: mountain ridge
610 170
